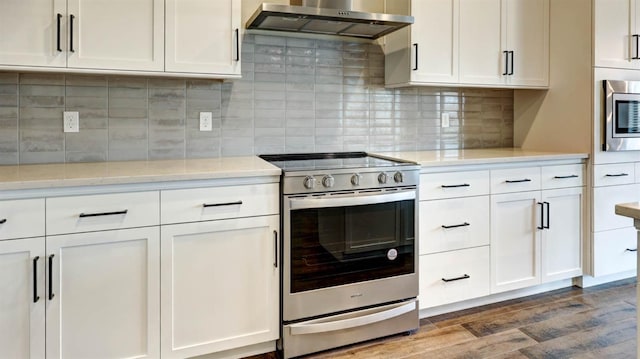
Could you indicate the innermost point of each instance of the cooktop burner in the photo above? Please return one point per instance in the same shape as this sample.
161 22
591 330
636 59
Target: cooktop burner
331 161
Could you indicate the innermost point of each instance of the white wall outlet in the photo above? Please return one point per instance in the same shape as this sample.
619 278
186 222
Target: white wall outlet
206 121
71 121
445 120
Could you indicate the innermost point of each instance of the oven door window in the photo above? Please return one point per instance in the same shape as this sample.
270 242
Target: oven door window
342 245
627 117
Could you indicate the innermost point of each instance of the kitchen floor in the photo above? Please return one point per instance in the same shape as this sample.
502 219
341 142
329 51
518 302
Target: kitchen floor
597 322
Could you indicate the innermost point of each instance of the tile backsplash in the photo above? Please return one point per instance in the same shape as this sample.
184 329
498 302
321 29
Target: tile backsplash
295 95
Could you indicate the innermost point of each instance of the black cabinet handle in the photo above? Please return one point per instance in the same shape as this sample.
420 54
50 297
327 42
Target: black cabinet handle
455 185
83 215
547 215
58 18
275 240
237 45
616 175
205 205
518 181
506 63
637 56
456 225
3 221
71 17
35 279
511 72
465 276
541 226
51 295
631 250
565 177
415 47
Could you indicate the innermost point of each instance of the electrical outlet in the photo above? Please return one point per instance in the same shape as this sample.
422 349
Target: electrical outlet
445 120
206 121
71 121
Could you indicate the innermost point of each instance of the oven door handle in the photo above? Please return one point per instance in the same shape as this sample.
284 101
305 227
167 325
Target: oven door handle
327 201
311 328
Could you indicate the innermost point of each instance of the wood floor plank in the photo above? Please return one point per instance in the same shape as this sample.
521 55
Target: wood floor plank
605 297
624 350
584 343
523 317
558 326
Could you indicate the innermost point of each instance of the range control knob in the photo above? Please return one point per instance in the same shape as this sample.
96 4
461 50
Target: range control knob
309 182
328 181
382 178
355 179
398 177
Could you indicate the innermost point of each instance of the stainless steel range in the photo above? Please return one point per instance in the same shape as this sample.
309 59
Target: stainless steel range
349 249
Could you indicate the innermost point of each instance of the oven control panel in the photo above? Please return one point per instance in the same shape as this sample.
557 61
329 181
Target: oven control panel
325 182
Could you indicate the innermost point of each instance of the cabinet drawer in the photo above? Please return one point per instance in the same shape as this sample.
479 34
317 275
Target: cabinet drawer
453 184
102 212
604 204
515 180
443 276
562 176
613 174
467 220
202 204
613 251
22 218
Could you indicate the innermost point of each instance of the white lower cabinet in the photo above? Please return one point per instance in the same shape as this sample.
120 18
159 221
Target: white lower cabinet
219 285
614 251
103 298
22 299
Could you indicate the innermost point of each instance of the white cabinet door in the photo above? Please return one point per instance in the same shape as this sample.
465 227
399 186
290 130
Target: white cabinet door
481 42
515 241
203 36
104 296
219 285
614 43
22 298
116 34
561 249
434 41
30 31
527 32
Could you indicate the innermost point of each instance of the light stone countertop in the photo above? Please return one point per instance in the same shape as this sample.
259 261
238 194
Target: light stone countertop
481 156
628 210
42 176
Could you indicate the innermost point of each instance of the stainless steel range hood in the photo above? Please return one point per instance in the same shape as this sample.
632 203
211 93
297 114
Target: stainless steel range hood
328 17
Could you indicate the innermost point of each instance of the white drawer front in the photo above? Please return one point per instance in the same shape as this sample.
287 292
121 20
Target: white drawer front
22 218
613 251
604 203
562 176
451 224
613 174
637 172
453 184
102 212
453 267
515 180
202 204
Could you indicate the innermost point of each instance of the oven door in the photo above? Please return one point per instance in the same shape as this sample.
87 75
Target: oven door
345 251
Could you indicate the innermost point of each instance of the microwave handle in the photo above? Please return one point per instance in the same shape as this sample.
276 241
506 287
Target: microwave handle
328 201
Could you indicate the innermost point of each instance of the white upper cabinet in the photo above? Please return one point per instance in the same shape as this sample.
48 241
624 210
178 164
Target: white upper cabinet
504 42
203 36
32 32
616 35
116 34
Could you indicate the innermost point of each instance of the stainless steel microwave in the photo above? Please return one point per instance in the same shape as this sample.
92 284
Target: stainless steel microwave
622 115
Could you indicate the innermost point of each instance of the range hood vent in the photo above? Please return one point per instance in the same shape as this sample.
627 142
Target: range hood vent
327 17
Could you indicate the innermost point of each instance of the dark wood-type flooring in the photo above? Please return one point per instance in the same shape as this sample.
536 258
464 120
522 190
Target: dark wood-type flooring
597 322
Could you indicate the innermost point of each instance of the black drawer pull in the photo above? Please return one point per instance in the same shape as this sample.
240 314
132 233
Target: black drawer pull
415 46
51 295
71 17
456 225
446 280
205 205
616 175
3 221
35 279
565 177
518 181
83 215
237 31
631 250
455 185
58 18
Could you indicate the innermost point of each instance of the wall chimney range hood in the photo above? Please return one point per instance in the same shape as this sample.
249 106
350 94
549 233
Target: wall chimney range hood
327 17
